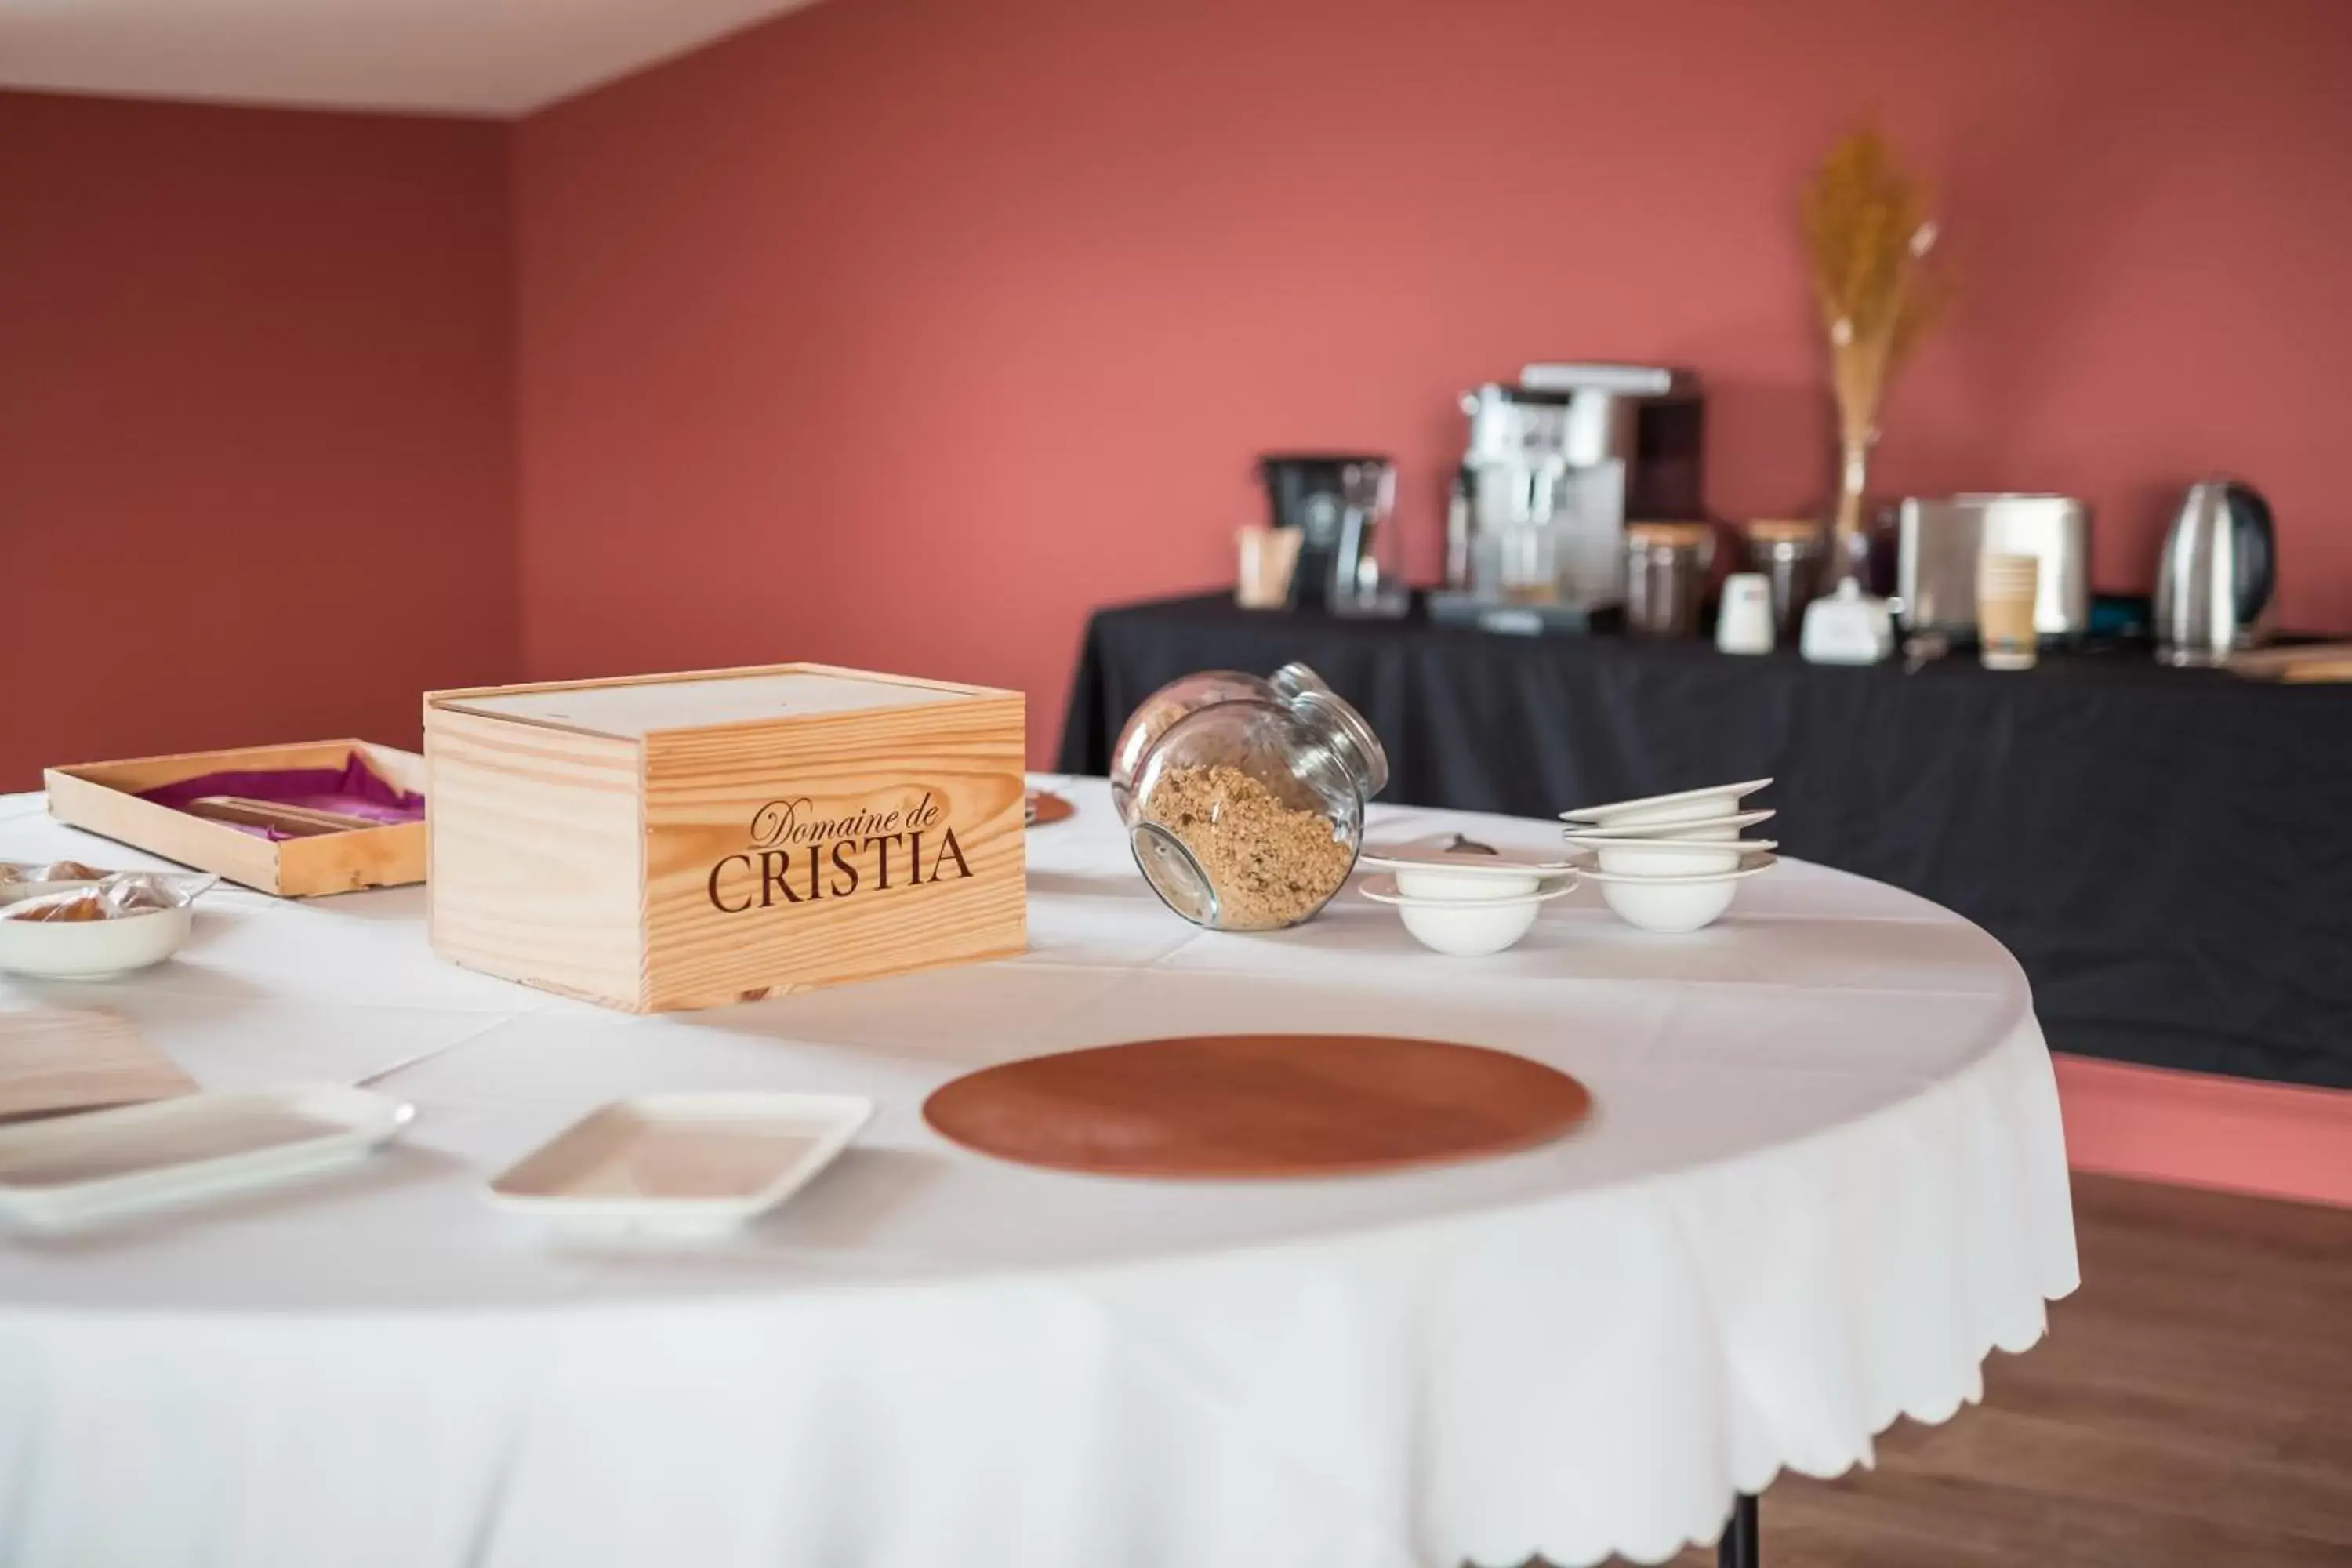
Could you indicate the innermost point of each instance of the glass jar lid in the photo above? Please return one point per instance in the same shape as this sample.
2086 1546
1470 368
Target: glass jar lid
1784 531
1295 679
1673 535
1360 752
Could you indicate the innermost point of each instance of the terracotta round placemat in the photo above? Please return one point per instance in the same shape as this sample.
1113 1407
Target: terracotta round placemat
1258 1105
1046 808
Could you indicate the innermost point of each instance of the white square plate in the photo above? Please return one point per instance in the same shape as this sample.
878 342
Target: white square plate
681 1163
103 1164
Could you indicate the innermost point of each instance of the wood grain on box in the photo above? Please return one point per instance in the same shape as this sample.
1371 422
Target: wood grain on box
103 798
535 841
680 841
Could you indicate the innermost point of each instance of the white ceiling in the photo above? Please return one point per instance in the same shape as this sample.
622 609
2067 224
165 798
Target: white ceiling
465 57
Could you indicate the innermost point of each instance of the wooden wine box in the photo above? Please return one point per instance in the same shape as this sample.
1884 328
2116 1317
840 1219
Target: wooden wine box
676 841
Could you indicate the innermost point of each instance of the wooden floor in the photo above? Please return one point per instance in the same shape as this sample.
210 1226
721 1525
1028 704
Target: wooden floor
2191 1405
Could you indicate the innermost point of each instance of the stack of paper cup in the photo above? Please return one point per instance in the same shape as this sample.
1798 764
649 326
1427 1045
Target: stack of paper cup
2006 588
1268 556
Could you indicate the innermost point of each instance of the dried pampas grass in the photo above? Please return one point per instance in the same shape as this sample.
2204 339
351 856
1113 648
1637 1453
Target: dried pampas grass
1869 247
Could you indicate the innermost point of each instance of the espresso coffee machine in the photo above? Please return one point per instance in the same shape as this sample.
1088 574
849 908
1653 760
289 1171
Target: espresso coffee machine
1338 503
1555 468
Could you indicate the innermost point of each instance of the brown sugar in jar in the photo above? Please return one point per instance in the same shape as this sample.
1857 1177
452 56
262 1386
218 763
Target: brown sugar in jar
1248 814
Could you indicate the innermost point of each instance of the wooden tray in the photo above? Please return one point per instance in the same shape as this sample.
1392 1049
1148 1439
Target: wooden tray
104 798
2295 662
1259 1105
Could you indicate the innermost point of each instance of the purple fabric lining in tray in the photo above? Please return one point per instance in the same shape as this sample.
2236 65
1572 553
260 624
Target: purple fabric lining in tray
353 789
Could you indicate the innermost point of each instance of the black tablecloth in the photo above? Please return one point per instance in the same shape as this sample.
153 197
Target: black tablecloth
2167 852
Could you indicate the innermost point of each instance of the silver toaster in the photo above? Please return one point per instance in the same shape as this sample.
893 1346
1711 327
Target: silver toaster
1939 540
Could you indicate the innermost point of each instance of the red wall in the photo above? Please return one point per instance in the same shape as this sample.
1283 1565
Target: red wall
255 425
902 332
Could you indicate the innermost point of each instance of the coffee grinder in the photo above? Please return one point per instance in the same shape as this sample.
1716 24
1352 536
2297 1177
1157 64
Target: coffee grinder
1340 503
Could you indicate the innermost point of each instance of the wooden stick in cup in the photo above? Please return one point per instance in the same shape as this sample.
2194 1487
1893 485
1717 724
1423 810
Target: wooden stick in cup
1268 556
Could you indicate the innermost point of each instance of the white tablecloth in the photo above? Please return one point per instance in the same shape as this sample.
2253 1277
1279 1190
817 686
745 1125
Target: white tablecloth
1825 1177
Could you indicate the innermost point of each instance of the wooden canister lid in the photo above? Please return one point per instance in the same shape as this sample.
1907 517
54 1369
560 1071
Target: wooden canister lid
1772 529
1680 534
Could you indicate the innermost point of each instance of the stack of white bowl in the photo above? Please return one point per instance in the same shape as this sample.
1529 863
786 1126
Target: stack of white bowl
1461 897
1671 862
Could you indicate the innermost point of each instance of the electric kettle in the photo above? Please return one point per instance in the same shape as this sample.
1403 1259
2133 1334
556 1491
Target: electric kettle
2217 586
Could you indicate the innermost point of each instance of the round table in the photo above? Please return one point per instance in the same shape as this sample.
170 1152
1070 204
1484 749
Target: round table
1824 1179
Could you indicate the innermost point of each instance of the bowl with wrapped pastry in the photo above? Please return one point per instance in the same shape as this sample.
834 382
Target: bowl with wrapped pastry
78 929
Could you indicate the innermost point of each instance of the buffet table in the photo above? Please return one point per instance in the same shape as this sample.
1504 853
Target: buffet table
1825 1177
2159 847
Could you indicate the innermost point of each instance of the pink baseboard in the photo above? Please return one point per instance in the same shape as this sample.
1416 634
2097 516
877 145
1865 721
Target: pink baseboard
2201 1131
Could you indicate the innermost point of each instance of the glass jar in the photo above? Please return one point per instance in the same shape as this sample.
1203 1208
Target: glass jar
1248 813
1183 697
1665 575
1791 553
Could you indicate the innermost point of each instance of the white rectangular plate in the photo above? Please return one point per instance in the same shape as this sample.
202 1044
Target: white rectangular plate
681 1163
73 1170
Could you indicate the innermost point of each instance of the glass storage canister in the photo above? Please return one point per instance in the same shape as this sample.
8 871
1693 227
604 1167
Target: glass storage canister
1665 575
1181 698
1790 553
1248 814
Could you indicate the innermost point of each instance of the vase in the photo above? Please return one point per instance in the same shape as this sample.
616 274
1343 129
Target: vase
1849 540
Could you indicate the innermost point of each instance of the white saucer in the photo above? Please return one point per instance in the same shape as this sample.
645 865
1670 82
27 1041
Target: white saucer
1749 865
1668 857
1715 827
1433 867
1684 805
1438 850
1384 890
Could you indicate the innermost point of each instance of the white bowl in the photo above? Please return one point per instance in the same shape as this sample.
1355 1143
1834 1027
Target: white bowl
1464 927
1447 866
1676 904
1464 887
1715 828
1685 806
84 950
1670 857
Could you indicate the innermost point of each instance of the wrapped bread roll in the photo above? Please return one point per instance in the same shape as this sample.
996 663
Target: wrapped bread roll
76 904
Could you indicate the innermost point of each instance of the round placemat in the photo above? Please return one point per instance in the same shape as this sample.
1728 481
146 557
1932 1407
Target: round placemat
1258 1105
